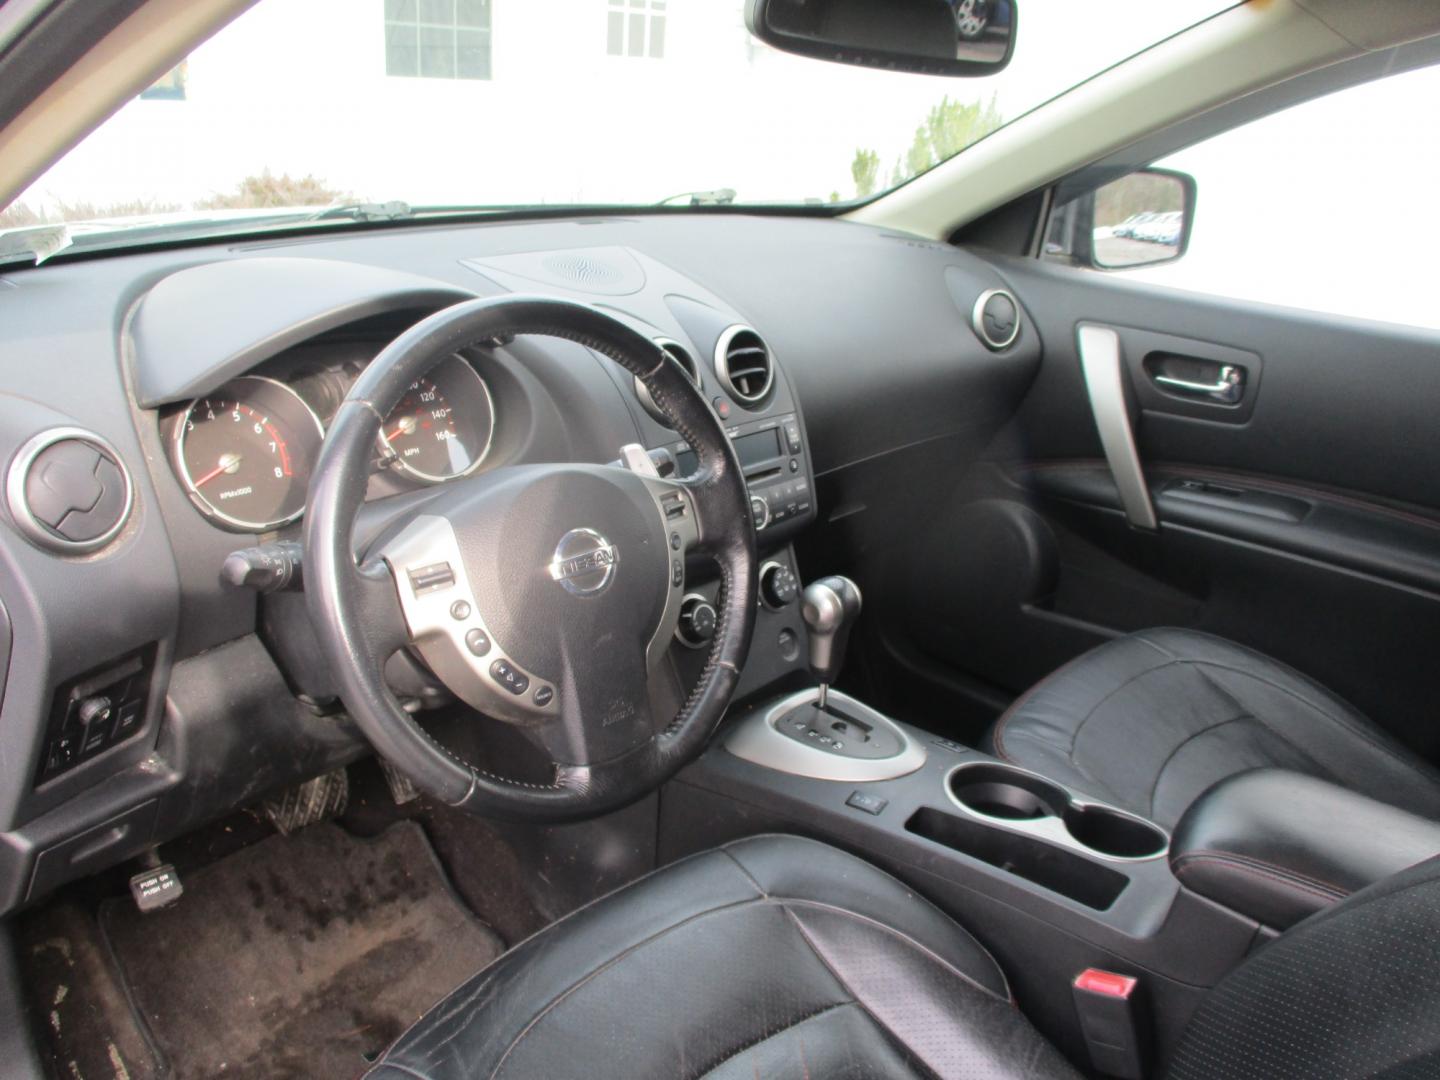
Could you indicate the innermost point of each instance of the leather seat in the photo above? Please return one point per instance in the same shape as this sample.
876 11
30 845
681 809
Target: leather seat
1149 721
773 956
784 958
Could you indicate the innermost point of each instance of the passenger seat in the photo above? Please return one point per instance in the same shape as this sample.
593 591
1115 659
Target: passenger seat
1152 719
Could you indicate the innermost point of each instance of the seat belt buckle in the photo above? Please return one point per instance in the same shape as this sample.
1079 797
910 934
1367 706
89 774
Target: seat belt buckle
1112 1021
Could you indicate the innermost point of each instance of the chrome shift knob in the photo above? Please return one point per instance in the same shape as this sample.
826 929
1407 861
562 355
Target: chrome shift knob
829 607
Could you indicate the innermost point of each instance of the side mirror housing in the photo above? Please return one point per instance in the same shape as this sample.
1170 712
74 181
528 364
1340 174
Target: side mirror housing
1141 219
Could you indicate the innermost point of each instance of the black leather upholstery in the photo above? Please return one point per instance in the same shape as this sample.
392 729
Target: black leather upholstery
1352 992
1150 720
1279 846
773 956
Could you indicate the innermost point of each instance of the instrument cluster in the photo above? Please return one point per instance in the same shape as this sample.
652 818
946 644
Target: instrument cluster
245 453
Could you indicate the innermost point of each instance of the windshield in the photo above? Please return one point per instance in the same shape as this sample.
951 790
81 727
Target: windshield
523 103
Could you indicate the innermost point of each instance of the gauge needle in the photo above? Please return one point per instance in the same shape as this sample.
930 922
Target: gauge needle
405 427
228 464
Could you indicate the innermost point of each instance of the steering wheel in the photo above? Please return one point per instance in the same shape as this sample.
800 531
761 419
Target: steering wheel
541 595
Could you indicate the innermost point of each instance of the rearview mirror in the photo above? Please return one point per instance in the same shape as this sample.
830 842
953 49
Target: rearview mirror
929 37
1141 219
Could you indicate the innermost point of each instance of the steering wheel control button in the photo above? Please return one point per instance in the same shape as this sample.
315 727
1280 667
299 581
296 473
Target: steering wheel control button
677 573
460 610
68 491
425 579
477 641
584 562
509 676
675 541
544 695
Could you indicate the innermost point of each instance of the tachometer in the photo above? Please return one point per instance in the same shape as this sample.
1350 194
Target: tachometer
443 425
245 453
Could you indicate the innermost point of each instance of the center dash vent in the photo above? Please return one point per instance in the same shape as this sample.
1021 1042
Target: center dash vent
681 356
744 365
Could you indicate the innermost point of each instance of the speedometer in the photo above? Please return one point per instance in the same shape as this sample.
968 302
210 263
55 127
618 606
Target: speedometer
245 453
443 426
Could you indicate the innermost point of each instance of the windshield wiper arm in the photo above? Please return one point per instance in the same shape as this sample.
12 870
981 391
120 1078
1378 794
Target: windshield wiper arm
717 197
386 211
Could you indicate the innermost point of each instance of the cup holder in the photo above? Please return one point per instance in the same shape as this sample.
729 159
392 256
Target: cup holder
1112 833
995 790
1002 792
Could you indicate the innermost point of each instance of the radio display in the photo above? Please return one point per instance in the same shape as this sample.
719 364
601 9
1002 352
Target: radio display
752 449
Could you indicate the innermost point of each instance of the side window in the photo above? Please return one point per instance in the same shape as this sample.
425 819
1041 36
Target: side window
438 39
1328 206
636 28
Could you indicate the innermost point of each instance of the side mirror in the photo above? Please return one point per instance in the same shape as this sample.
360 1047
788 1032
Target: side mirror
1141 219
929 37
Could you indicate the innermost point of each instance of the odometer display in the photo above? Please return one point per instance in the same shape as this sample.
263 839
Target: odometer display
442 427
245 453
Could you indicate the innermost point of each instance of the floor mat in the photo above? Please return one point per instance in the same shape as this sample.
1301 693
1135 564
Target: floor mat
300 956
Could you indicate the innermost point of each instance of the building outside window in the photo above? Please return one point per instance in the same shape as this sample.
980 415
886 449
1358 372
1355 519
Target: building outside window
438 39
636 28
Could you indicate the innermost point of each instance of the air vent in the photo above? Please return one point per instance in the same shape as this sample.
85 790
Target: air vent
996 319
743 363
68 491
681 356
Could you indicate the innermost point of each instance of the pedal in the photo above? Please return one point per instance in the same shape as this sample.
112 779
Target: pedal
401 789
309 803
155 889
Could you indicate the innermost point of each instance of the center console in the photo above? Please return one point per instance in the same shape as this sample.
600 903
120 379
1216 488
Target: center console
1051 880
772 457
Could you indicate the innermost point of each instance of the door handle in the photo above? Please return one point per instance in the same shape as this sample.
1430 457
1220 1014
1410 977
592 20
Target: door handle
1228 386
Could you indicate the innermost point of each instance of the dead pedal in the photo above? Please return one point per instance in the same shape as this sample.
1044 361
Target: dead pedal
156 888
401 789
309 803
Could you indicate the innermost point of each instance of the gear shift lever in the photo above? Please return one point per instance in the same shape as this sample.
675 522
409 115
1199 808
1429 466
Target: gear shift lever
830 607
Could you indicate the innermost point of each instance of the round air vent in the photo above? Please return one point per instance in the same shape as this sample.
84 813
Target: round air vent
744 366
681 356
996 319
68 491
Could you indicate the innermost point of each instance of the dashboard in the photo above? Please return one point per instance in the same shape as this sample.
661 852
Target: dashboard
162 411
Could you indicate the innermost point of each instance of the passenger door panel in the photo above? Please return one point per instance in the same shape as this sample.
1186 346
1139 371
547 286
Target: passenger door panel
1302 520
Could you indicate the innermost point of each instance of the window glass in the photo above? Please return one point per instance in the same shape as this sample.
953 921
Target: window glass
438 39
636 28
1328 206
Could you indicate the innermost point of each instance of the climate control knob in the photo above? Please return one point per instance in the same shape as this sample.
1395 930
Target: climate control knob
778 586
697 621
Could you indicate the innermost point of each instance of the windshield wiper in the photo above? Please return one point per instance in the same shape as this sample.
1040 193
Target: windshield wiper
393 210
717 197
38 242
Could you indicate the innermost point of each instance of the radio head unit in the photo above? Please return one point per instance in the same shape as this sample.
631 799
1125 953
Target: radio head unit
773 457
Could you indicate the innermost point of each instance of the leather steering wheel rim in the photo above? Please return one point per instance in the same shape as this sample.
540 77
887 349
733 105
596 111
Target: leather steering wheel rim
353 604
